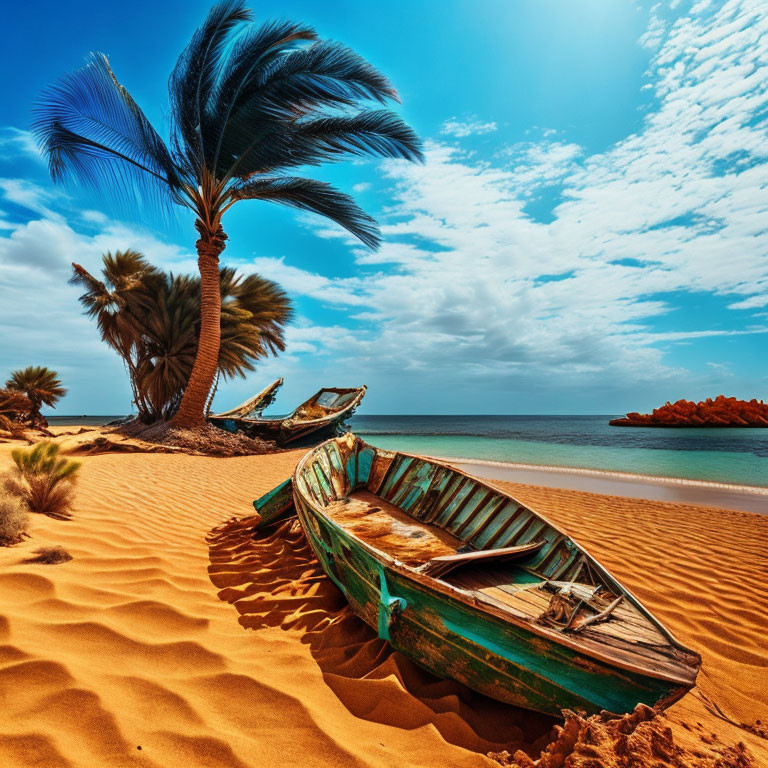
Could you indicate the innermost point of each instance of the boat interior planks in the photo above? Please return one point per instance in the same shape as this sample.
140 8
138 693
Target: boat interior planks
384 526
472 584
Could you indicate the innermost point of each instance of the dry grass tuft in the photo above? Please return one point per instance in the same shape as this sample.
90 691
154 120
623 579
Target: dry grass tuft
14 519
43 480
50 555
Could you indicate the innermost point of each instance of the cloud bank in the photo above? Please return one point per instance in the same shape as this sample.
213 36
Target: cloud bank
471 285
542 269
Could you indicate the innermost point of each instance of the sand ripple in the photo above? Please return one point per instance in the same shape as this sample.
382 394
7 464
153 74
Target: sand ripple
132 654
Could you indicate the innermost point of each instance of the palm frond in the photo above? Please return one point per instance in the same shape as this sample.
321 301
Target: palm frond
374 132
254 313
89 128
272 145
194 77
40 384
118 302
253 51
326 74
260 133
126 269
317 197
96 293
13 404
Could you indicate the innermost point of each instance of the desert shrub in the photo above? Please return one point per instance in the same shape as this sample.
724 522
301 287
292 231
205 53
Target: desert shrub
14 519
43 480
50 555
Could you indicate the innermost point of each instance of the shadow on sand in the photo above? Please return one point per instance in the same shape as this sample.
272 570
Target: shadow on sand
274 580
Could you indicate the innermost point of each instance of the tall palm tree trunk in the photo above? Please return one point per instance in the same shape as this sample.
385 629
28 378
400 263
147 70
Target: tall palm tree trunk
191 411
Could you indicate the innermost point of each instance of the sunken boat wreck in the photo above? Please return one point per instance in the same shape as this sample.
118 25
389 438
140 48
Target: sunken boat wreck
322 415
473 585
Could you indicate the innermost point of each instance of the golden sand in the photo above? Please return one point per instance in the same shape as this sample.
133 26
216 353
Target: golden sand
133 653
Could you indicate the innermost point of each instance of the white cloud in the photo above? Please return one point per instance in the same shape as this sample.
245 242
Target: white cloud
657 28
539 164
299 281
463 128
30 196
479 289
44 243
15 142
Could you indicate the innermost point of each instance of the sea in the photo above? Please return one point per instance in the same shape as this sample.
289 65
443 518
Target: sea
734 456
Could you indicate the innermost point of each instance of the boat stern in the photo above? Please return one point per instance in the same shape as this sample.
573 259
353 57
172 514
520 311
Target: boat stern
275 505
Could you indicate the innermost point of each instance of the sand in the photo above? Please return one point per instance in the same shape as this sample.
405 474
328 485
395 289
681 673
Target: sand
679 490
175 639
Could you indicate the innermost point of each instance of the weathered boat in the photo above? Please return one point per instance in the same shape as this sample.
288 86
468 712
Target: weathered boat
253 407
321 415
473 585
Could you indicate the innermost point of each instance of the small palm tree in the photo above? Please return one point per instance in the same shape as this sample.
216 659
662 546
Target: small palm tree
43 479
152 320
14 406
41 386
248 104
120 303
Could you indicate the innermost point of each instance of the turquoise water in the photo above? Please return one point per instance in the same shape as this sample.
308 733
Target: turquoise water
737 456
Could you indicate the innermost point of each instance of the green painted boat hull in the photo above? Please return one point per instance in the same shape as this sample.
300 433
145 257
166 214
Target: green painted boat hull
451 640
451 637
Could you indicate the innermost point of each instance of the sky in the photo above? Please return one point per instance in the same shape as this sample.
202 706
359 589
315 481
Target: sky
588 233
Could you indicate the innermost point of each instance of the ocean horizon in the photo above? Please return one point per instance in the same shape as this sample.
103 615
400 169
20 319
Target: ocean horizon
735 456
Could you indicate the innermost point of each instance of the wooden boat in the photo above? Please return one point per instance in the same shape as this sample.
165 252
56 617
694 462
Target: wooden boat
473 585
253 407
319 416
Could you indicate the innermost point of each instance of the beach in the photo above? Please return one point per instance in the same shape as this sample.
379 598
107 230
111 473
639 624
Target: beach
745 498
179 640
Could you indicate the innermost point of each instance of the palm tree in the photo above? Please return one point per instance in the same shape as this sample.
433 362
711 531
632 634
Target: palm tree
152 320
248 104
119 303
41 386
14 406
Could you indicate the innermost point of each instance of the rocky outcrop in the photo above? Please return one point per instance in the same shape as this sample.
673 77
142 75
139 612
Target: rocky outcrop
720 412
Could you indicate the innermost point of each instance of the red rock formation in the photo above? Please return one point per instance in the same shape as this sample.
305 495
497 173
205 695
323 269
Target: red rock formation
720 412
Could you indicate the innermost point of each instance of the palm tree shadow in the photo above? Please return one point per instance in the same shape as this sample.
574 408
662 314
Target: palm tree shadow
274 580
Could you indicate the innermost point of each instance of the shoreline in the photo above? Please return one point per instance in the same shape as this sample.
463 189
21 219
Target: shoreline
743 498
712 493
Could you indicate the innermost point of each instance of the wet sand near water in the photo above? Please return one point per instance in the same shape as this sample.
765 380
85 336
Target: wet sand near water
678 490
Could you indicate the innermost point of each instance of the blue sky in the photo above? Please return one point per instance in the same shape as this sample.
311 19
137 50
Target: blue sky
588 234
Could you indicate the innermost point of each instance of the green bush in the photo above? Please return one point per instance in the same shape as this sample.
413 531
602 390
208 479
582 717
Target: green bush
43 480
